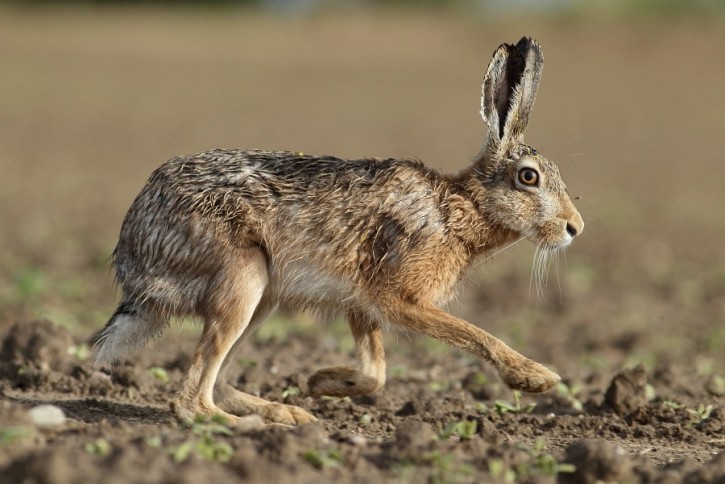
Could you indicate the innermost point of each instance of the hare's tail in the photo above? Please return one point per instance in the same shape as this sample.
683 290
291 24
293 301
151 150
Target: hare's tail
127 330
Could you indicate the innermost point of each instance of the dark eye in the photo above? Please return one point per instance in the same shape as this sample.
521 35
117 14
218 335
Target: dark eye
528 177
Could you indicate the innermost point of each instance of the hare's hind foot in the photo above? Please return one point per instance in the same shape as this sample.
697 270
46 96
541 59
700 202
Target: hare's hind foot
341 381
529 376
344 381
233 401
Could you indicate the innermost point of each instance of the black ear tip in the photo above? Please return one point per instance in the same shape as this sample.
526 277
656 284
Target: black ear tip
525 44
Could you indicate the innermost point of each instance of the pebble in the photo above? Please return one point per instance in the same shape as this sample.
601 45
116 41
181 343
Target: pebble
47 415
358 440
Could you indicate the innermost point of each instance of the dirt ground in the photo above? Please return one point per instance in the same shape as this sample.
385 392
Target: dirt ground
633 318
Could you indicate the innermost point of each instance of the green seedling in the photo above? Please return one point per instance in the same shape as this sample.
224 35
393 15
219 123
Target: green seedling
80 352
465 430
246 362
438 387
541 463
500 472
160 374
154 441
481 407
99 447
447 469
701 413
323 459
12 435
205 444
672 404
503 406
290 391
570 394
365 419
649 392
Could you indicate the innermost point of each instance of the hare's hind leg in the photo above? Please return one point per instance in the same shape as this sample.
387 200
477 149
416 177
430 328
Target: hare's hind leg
236 402
342 381
234 296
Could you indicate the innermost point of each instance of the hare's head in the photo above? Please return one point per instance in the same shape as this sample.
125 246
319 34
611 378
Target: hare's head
524 191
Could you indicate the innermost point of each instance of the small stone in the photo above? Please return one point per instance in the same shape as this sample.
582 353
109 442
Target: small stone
597 461
358 440
47 415
628 390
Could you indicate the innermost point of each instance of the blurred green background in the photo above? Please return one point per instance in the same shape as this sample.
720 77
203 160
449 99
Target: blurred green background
95 95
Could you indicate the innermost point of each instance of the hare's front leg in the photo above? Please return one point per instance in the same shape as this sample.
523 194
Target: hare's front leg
234 301
342 381
519 372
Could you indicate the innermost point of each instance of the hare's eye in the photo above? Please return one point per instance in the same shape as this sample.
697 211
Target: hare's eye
528 176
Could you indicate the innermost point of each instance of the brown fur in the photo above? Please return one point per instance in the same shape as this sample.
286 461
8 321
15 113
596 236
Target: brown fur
229 235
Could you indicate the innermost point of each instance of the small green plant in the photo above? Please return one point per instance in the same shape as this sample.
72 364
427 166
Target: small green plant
649 392
365 419
447 469
546 463
290 391
438 387
154 441
80 352
205 444
323 459
160 374
99 447
672 404
500 472
246 362
570 394
465 430
540 463
12 435
503 406
481 407
701 413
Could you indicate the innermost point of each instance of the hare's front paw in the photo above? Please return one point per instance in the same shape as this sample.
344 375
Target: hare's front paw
530 376
341 381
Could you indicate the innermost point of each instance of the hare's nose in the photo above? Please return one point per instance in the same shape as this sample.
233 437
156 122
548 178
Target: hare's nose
571 230
575 225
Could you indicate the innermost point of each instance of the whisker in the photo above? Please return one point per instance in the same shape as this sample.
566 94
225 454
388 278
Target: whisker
505 248
533 267
558 279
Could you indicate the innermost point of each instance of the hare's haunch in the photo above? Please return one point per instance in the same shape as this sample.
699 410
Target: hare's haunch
230 235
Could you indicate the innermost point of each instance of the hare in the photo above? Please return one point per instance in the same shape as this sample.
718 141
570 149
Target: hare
230 235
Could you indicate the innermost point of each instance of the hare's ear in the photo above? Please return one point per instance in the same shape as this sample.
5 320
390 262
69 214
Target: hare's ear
509 91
